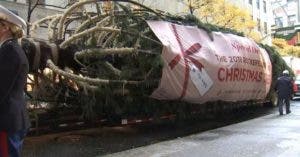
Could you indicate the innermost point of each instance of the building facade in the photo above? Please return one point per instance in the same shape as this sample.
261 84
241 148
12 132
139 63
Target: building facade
171 6
286 15
47 8
261 12
22 9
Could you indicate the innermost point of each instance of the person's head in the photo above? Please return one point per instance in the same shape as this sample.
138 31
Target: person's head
8 29
11 25
285 72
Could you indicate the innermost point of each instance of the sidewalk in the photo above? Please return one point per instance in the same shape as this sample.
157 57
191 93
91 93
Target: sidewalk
268 136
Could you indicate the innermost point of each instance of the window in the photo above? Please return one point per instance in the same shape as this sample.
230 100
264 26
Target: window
250 2
292 17
35 1
298 78
258 24
265 27
291 20
257 4
278 21
265 6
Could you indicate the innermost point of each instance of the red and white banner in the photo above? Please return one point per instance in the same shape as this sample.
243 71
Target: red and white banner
197 69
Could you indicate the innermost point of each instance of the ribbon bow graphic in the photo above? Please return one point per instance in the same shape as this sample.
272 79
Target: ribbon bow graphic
187 56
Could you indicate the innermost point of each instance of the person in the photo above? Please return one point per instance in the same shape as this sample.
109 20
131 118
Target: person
14 120
284 88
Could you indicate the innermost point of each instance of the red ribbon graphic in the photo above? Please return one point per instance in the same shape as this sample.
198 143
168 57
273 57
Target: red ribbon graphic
3 144
186 55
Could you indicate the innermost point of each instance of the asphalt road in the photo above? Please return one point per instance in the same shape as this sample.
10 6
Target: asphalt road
267 136
107 140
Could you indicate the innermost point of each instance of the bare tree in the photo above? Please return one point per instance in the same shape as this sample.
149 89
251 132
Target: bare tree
32 4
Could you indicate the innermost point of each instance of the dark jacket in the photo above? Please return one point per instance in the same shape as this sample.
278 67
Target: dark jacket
284 87
13 70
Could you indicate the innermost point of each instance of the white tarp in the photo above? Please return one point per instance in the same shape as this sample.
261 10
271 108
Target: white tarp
197 70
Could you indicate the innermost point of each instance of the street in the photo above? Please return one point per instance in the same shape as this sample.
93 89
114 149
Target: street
267 136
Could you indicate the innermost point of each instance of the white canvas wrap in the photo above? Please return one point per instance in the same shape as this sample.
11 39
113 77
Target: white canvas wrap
197 69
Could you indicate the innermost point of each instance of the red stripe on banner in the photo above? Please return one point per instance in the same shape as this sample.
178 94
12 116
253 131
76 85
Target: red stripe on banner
186 56
3 144
193 49
185 83
186 79
174 61
178 39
